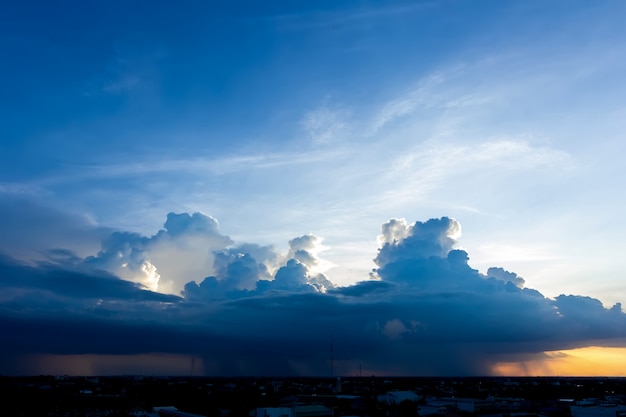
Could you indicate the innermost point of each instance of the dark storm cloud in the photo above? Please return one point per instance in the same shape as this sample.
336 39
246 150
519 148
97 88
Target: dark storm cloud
30 229
67 280
259 312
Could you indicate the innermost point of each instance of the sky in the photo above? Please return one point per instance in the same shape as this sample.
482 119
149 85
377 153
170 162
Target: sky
224 188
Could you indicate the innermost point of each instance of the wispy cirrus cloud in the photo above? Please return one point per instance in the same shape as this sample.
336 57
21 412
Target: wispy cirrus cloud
346 19
433 166
325 124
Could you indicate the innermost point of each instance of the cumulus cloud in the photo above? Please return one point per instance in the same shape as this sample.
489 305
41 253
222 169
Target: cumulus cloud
184 249
248 269
303 248
432 239
257 311
506 276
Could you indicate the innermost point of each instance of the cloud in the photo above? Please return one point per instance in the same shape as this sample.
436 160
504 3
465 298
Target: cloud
257 311
130 72
434 238
424 94
183 250
31 229
345 19
324 124
506 276
434 167
247 270
66 285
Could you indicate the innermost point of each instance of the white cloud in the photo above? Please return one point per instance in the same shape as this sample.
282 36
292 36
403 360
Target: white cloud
408 102
324 124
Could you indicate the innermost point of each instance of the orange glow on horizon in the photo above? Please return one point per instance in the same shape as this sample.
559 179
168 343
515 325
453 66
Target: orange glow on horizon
588 361
102 365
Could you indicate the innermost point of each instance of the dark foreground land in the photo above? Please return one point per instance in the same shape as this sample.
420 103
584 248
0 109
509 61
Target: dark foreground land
299 397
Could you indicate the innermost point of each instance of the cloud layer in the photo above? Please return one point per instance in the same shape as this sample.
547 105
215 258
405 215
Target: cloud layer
247 309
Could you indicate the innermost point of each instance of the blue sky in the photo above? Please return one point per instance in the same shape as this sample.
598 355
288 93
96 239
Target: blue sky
302 127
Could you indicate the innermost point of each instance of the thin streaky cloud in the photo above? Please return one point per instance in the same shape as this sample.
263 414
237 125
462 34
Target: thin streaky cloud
325 124
432 91
195 166
342 19
428 167
25 189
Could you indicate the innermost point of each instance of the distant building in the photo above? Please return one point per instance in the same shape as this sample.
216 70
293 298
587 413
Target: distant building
396 397
604 410
502 403
470 405
430 410
170 411
315 410
275 412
